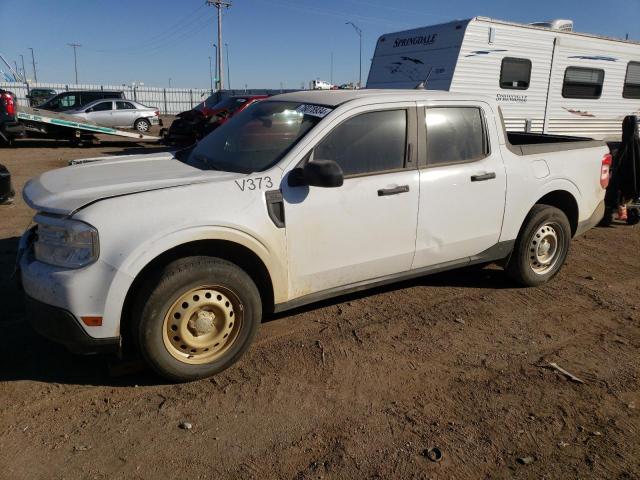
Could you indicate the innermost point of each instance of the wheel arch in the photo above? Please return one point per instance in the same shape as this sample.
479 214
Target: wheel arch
229 250
564 201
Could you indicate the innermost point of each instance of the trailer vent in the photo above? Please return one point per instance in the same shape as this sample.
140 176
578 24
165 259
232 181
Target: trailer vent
562 25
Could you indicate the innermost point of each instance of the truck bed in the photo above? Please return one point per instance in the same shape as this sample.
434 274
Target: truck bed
524 143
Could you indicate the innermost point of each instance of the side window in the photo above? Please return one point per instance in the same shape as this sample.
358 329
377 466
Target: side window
632 81
582 83
455 135
368 143
515 73
124 106
102 106
91 97
68 101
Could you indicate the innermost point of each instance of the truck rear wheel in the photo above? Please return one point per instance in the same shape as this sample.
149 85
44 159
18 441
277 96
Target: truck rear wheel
198 318
541 247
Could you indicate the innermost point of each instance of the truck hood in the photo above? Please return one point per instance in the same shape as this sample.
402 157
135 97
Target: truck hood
66 190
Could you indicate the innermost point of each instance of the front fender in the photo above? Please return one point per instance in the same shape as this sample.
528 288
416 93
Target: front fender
138 259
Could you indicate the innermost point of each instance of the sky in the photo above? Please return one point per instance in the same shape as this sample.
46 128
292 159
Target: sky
271 43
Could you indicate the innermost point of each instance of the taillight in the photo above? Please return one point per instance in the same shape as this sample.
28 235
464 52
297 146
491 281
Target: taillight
605 170
157 113
9 103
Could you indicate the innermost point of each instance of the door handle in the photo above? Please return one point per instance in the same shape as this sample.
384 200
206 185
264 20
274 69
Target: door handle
384 192
483 176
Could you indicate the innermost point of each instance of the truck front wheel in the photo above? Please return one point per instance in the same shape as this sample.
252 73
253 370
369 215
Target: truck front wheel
197 318
541 247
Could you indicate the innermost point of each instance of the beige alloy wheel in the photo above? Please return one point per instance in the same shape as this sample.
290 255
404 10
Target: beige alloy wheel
202 324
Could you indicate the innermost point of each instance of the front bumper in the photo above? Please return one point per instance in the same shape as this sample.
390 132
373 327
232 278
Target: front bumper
77 292
61 326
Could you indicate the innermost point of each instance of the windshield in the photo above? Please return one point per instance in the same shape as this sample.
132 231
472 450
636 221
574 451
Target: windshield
230 104
256 138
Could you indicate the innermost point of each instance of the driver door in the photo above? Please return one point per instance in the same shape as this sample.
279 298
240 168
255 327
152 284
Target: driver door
365 229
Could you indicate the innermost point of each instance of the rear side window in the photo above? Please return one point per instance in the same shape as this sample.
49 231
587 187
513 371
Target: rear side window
455 135
125 106
632 81
582 83
515 73
368 143
69 101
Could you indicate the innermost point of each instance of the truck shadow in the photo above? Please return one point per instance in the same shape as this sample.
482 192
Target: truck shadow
24 355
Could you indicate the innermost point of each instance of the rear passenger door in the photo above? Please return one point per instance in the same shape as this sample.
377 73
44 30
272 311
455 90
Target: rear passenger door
366 228
124 114
462 183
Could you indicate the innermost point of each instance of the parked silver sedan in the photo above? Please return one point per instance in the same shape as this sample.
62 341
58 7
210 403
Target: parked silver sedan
118 113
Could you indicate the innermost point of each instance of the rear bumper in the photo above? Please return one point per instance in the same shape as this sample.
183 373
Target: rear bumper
62 327
592 221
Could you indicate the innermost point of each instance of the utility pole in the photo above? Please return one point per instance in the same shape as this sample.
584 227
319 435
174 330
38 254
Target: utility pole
24 72
216 66
211 74
331 69
359 32
219 4
228 67
169 82
75 57
33 63
15 64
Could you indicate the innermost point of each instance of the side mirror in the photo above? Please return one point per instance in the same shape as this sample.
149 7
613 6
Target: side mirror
323 173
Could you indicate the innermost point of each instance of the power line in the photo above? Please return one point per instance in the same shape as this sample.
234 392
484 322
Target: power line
75 57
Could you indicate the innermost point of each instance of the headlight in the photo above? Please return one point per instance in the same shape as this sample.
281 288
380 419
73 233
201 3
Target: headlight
65 243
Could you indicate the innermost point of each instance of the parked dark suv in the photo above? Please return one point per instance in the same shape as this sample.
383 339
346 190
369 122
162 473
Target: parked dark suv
76 99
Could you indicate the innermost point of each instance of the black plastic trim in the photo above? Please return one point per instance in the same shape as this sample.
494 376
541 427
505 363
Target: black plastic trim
275 207
499 251
61 326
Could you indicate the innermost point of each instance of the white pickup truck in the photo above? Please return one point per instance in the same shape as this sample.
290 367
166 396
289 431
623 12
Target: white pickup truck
302 197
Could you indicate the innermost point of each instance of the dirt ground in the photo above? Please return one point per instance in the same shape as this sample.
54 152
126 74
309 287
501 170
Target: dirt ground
357 387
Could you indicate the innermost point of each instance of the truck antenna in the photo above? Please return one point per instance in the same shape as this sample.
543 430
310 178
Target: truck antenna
423 84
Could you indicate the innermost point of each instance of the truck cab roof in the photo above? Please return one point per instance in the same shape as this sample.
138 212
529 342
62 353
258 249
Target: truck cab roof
335 98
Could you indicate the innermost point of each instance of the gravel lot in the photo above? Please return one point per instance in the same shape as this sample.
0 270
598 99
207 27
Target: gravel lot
357 387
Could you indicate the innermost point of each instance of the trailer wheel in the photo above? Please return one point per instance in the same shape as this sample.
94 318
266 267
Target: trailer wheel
541 247
197 318
142 125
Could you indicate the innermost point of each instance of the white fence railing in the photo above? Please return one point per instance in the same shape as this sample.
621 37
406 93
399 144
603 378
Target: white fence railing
168 100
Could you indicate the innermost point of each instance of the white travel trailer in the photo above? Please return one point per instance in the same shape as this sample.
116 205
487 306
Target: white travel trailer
545 77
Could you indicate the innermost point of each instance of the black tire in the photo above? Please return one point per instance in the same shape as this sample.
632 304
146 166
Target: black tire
142 125
544 222
633 216
152 317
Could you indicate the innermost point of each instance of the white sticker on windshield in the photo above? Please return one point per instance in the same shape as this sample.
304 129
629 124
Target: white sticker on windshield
313 110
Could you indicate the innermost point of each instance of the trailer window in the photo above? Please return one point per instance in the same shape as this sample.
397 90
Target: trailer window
515 73
455 135
632 81
582 83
